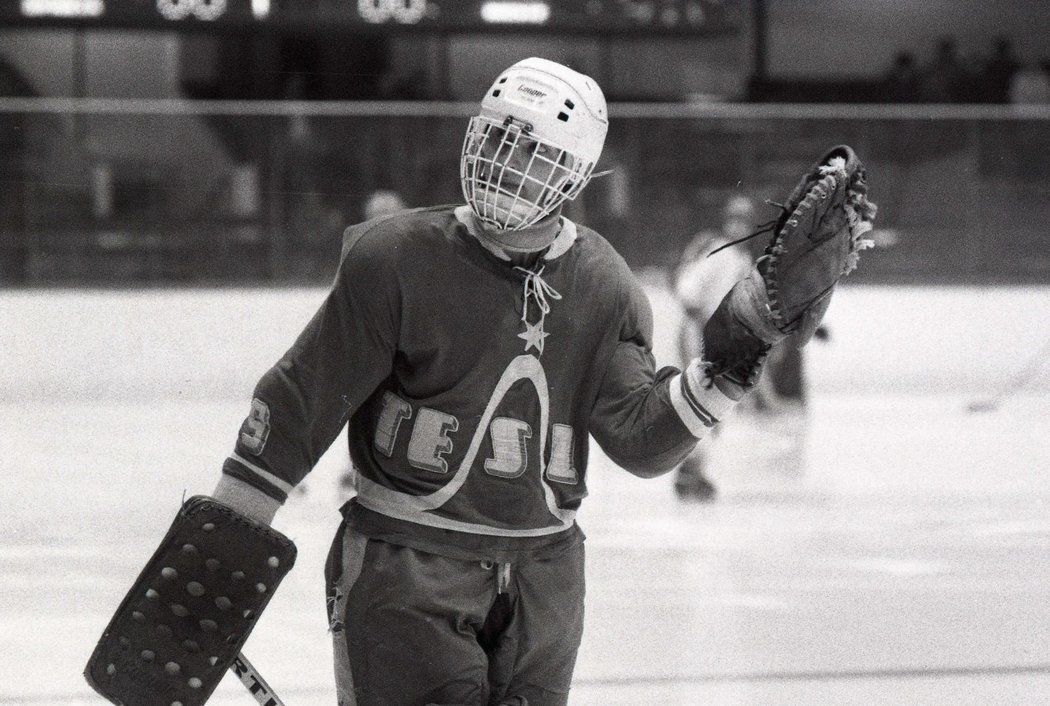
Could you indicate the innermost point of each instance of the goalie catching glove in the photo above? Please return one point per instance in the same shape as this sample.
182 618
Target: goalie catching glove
185 619
816 241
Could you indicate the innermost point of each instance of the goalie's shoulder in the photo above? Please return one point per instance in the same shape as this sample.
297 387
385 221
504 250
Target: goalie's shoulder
601 270
598 254
393 232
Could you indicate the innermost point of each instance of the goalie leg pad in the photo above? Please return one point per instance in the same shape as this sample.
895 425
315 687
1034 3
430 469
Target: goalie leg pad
189 612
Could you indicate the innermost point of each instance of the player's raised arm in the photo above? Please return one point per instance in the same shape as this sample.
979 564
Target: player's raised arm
648 422
815 242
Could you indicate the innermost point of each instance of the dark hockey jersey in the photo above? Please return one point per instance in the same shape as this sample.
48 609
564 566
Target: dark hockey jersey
470 386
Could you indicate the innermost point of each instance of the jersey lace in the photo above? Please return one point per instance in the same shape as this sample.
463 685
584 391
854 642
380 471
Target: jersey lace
539 290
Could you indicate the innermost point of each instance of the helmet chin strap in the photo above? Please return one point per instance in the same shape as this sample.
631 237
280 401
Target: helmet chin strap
533 239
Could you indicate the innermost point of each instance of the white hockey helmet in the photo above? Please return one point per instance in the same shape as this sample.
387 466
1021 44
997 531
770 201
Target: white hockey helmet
534 143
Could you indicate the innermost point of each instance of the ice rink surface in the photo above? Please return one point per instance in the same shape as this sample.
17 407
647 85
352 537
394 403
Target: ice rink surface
883 548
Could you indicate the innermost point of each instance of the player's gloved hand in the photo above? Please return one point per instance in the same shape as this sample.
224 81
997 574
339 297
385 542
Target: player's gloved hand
815 242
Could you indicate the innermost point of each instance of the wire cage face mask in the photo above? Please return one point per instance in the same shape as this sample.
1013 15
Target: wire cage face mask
513 178
533 144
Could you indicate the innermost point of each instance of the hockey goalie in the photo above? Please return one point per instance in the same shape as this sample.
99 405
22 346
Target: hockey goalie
472 351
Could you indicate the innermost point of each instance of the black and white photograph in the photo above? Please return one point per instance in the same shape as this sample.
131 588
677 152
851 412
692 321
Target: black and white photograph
524 353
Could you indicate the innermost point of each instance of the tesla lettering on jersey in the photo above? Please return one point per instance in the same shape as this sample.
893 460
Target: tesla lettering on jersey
432 440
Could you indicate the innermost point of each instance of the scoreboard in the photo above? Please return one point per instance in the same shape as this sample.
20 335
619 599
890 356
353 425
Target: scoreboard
681 17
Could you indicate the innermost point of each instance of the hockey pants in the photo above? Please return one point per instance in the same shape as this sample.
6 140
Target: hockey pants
411 628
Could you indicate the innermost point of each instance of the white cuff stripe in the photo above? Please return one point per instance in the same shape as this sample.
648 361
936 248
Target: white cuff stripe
711 401
685 412
264 474
246 499
703 392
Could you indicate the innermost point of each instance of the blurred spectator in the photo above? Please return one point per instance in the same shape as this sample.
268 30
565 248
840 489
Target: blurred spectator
902 79
998 72
383 202
1031 84
946 79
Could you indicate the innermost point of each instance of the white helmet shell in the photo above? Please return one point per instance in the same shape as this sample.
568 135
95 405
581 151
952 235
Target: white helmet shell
565 108
534 102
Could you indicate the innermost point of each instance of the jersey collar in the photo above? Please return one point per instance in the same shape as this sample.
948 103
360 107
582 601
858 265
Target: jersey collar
561 244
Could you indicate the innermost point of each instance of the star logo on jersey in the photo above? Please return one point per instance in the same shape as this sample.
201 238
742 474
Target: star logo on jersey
533 336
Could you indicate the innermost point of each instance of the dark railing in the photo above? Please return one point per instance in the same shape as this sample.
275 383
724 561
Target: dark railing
116 192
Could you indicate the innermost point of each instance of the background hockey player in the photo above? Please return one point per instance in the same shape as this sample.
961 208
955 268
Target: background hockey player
699 283
473 350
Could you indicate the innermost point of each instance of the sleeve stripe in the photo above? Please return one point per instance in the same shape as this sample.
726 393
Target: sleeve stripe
698 406
246 499
694 422
705 415
259 477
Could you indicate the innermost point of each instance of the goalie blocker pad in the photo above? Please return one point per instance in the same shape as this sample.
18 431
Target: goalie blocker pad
188 614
